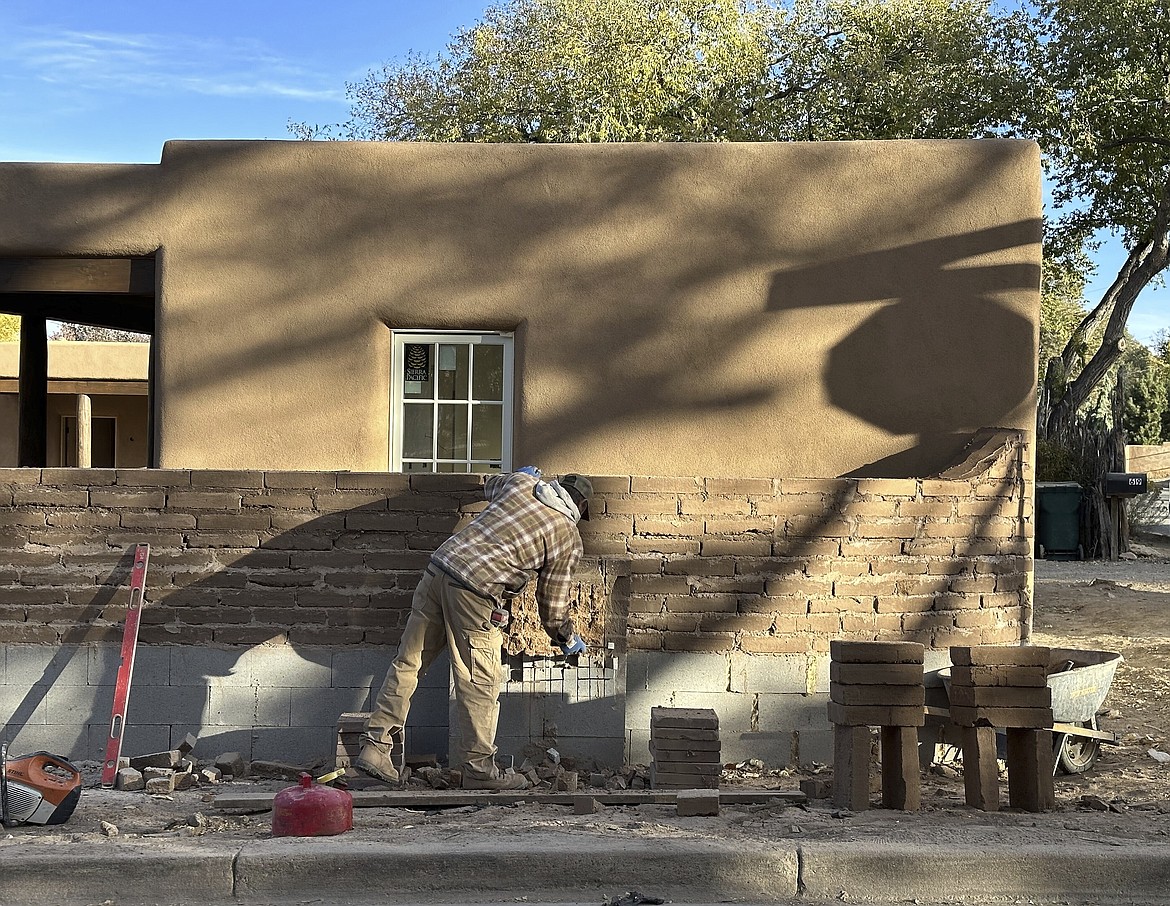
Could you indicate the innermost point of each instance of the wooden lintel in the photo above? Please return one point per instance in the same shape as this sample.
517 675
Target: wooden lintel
124 276
121 312
93 388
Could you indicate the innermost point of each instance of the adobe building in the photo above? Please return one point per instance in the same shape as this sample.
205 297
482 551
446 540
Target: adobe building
802 377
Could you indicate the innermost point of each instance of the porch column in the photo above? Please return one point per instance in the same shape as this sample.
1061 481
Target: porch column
33 391
84 434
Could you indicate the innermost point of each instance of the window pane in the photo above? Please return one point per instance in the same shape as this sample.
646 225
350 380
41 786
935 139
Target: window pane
452 432
416 467
453 361
451 467
488 378
418 370
417 431
487 432
481 467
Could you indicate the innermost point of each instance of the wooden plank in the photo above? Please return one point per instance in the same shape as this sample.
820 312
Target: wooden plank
131 276
33 400
435 799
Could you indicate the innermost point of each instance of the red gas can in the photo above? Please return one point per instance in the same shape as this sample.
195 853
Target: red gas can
311 810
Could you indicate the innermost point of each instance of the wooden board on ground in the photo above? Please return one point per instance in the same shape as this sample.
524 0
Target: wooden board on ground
389 798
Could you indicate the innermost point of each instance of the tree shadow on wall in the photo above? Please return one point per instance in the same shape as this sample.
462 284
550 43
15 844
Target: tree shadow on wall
912 367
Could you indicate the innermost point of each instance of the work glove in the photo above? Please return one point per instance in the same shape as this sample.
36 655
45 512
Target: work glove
530 470
574 646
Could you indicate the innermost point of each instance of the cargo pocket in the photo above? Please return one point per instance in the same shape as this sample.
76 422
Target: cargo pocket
485 657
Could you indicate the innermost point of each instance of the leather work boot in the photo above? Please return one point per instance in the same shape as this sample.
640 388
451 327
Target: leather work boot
499 783
376 759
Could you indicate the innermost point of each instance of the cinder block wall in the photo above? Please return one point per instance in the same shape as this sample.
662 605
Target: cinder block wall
275 600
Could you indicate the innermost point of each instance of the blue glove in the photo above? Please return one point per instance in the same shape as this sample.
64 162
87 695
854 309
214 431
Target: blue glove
530 470
575 646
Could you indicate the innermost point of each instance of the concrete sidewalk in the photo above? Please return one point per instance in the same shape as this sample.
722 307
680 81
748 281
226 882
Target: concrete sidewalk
569 869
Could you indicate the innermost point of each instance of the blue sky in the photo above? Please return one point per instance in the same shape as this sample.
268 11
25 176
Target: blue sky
112 80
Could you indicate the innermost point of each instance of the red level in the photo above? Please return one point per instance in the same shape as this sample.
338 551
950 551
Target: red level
126 668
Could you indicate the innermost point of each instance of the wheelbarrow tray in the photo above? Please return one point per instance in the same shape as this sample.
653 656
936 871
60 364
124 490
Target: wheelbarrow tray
1080 680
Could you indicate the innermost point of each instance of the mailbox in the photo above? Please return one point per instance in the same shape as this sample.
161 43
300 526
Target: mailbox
1125 484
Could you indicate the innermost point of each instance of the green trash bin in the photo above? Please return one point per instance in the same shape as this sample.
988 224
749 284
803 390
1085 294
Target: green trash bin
1058 520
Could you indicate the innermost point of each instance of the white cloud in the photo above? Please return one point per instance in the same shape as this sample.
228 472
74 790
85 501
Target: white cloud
154 64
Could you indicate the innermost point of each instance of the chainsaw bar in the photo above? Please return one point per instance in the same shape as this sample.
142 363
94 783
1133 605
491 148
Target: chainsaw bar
126 667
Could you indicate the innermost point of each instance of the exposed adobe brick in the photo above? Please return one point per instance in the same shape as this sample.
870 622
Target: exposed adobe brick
1002 635
21 595
846 652
235 539
1000 655
316 598
841 605
853 623
159 478
1016 548
705 604
715 506
280 500
972 584
921 585
1002 600
315 560
987 508
782 604
1004 565
816 527
396 560
906 529
182 635
888 487
927 621
986 618
798 585
121 498
648 565
19 476
233 522
805 547
821 623
662 546
768 644
41 558
932 507
130 520
765 487
791 505
81 519
879 694
391 598
941 638
384 521
865 586
310 481
372 502
1001 717
224 478
359 579
230 501
28 633
610 484
38 495
869 675
661 585
740 622
645 525
649 484
904 603
785 624
740 526
999 675
723 584
923 547
876 715
259 634
372 637
744 546
871 549
996 528
605 547
286 578
816 485
1001 696
644 641
838 567
901 566
704 566
662 506
974 548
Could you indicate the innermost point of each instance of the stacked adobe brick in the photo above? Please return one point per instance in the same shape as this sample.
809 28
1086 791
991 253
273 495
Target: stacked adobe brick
876 684
1004 687
684 743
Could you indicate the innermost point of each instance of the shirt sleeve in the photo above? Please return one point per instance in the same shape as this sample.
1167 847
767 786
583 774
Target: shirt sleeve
552 591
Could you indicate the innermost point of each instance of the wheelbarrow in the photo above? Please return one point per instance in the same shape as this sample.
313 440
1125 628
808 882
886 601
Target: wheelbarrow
1079 680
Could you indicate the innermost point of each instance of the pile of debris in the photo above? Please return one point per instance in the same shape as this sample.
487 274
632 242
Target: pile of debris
163 773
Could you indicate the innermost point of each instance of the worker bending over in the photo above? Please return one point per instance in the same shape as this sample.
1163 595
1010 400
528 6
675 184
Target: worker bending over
529 525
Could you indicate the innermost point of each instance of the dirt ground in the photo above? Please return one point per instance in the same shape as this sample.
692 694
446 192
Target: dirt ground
1122 606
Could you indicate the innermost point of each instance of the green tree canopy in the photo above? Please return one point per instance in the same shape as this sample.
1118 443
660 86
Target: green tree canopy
9 328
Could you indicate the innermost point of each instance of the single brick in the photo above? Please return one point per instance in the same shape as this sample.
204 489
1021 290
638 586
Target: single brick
697 803
886 696
1035 718
901 773
876 715
851 758
876 652
980 768
1000 696
684 718
1000 655
1030 769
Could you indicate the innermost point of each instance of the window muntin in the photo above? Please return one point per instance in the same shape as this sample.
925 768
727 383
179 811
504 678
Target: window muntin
452 402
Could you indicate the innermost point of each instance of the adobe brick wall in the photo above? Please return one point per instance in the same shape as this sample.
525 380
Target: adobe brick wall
738 572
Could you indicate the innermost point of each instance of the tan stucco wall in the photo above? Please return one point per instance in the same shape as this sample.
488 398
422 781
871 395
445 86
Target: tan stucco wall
742 309
73 361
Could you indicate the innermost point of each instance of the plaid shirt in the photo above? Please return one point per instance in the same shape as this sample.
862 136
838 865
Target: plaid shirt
515 535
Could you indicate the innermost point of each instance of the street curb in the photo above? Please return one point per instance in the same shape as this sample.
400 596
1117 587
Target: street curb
84 873
897 872
563 869
569 870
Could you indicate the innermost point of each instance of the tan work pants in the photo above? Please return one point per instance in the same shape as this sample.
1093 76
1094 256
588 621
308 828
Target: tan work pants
444 615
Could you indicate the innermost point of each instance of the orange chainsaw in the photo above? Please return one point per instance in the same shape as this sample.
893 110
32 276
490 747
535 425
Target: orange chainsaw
37 789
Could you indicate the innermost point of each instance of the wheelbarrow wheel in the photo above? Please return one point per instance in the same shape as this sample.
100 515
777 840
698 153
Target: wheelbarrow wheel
1077 754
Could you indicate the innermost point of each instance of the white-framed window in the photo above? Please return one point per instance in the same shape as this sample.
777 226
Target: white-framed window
451 401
